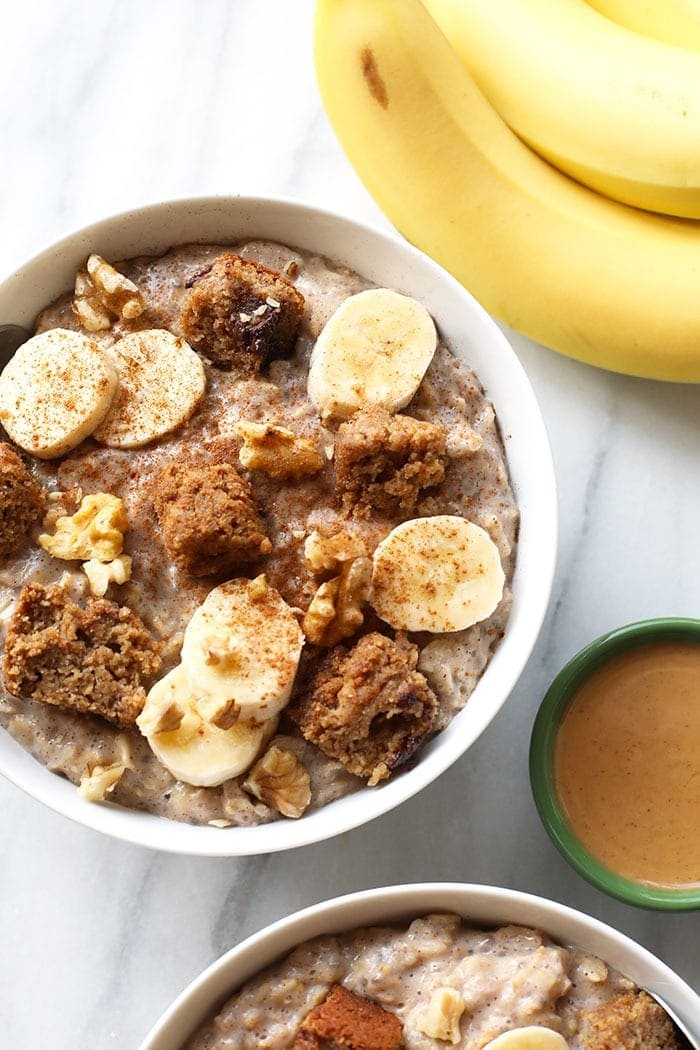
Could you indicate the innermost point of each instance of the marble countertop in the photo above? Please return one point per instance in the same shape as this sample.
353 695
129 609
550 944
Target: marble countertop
111 104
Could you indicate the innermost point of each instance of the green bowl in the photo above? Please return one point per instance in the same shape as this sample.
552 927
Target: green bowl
544 733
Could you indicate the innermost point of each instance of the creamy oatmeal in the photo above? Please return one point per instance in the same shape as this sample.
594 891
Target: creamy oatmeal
436 983
313 497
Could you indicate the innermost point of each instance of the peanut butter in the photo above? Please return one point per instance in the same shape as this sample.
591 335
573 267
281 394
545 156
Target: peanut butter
627 764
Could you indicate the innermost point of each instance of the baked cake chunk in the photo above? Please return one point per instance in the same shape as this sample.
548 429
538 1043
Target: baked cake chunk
383 461
241 315
22 501
367 707
91 660
211 523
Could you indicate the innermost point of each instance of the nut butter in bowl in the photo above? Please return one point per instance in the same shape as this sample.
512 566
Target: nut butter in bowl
615 763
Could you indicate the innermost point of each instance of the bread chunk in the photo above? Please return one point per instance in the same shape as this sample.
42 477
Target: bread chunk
632 1021
211 524
307 1041
90 660
22 501
367 707
345 1021
383 461
241 315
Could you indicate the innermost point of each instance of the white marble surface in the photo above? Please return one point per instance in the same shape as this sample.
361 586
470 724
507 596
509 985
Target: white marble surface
119 102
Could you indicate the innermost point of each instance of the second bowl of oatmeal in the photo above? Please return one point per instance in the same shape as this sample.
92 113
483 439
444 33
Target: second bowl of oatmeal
306 433
434 964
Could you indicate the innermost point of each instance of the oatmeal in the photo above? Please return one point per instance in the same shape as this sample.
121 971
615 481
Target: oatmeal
217 459
436 983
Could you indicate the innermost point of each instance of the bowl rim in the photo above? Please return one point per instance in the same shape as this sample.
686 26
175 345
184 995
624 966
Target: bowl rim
148 830
386 904
542 743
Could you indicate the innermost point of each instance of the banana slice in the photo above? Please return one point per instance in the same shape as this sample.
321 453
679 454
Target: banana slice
375 349
161 382
436 574
190 747
55 390
241 650
531 1038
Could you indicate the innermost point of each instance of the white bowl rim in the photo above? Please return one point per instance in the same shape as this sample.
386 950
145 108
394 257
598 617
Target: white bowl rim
387 904
161 833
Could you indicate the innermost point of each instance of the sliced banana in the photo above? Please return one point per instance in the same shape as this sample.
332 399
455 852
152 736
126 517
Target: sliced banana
241 650
375 350
54 392
161 382
190 747
436 574
531 1038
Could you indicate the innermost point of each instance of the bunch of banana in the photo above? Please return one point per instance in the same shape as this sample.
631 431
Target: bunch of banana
595 279
673 21
616 110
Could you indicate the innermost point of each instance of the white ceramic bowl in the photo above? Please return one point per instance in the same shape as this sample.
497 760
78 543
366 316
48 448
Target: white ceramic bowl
480 905
471 334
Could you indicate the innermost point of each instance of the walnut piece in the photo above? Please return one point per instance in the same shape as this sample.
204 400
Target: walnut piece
278 452
258 588
100 574
101 293
321 611
87 307
97 782
327 553
219 711
165 721
442 1016
95 531
335 611
280 780
61 504
592 969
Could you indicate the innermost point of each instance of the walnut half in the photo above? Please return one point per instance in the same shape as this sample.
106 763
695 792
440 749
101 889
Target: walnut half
278 452
102 292
96 530
87 307
280 780
335 611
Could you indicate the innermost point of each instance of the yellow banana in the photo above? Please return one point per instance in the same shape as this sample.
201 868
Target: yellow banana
593 279
617 111
673 21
